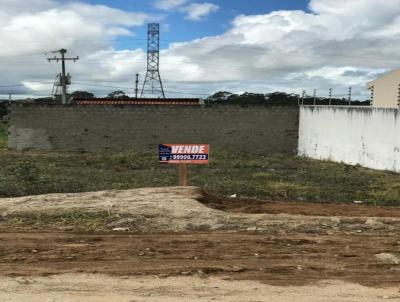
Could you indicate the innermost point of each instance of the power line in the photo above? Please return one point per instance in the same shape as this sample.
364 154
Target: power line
126 87
15 85
132 89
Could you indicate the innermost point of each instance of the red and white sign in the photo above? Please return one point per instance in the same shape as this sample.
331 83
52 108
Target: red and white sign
183 153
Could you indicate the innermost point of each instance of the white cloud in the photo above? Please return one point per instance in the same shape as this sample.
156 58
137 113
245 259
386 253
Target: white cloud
169 4
29 29
336 45
198 11
62 25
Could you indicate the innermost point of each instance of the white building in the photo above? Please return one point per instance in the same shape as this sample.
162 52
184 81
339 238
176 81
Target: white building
385 91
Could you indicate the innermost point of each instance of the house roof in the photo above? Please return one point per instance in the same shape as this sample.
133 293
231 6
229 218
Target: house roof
137 102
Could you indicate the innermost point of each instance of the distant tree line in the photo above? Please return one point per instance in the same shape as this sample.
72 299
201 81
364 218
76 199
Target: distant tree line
274 98
3 108
117 94
219 98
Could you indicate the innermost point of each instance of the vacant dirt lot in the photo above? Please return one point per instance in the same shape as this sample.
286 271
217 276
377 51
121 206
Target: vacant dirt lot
101 288
172 244
276 260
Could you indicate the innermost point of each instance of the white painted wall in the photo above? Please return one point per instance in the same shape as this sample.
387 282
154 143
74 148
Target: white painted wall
366 136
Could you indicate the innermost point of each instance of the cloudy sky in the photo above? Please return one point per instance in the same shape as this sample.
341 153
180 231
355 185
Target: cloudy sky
207 46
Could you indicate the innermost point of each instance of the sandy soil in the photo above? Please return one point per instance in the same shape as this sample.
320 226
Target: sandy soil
101 288
178 209
180 244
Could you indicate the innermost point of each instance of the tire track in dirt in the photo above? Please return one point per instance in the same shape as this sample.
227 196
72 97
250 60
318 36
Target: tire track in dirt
276 260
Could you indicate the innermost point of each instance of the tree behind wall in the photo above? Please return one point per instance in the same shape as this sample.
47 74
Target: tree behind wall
82 95
118 94
274 98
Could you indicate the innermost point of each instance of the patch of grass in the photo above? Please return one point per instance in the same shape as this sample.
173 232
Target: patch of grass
78 220
277 177
3 134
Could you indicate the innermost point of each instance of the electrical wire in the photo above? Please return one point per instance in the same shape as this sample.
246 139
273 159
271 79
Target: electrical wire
132 89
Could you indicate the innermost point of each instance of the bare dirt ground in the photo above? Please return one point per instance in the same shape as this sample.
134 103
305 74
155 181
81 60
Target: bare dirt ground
254 206
162 244
103 288
276 260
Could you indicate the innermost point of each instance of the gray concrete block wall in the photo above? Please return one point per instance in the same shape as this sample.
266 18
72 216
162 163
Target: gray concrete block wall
258 130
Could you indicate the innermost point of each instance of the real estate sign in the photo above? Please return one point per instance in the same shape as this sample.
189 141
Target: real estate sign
183 153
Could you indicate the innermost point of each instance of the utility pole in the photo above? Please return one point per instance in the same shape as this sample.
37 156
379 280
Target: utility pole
350 90
371 101
10 97
330 96
303 95
398 98
64 80
137 86
315 97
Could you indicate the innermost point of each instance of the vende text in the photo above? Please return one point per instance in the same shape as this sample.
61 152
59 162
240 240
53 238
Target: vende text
188 149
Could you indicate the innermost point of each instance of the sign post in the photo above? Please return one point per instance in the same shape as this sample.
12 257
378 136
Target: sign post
183 175
183 155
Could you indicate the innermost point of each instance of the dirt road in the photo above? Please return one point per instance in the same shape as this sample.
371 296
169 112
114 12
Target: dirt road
101 288
275 260
178 244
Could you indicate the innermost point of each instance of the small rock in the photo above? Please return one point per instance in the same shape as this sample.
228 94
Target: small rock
388 258
24 281
186 273
163 276
358 201
233 196
219 226
201 274
67 228
385 297
238 269
252 229
121 229
34 251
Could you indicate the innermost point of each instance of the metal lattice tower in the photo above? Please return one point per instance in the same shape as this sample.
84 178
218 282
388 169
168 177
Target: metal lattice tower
152 82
